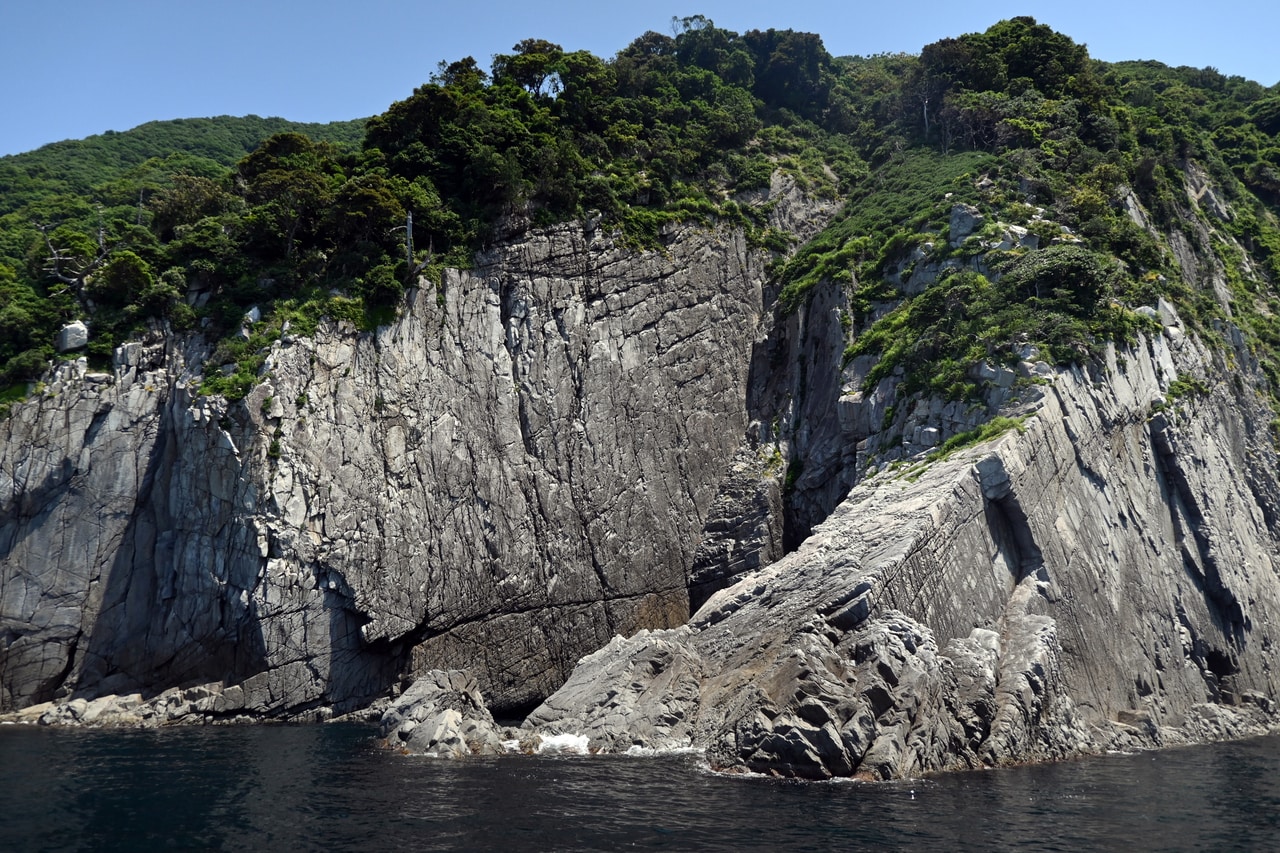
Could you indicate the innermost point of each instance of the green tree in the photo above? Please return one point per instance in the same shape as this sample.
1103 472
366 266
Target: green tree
188 199
288 186
790 70
122 280
535 66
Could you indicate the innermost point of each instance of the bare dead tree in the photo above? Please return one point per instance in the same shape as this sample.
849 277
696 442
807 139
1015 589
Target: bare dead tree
69 269
415 269
408 238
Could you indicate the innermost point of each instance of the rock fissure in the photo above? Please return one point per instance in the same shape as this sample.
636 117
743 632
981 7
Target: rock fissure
539 469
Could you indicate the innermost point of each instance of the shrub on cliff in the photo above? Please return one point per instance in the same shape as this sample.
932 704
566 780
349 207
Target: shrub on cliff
672 128
1064 300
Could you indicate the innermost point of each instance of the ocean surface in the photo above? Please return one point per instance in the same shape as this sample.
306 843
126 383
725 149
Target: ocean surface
331 788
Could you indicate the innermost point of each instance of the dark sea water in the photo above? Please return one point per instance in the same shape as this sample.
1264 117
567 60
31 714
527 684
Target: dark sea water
331 788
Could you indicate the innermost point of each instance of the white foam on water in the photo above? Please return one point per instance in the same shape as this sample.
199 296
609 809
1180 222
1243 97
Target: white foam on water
649 751
565 744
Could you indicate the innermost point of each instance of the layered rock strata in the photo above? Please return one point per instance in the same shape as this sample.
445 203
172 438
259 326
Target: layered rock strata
517 488
1105 580
515 470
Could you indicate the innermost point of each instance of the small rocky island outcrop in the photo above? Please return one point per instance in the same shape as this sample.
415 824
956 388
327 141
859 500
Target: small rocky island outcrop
961 456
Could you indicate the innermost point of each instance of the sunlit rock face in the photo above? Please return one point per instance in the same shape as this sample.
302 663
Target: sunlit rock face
1105 579
622 490
515 470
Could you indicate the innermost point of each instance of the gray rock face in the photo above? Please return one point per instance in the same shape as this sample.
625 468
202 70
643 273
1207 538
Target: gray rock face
72 336
545 459
1106 580
965 220
512 472
539 474
442 714
745 527
128 564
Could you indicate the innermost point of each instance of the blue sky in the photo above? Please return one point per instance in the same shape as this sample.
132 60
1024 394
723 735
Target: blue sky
72 68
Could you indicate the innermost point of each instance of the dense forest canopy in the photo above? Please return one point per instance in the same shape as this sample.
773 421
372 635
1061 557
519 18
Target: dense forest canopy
206 146
187 223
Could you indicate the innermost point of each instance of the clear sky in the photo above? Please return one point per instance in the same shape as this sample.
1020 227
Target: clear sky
73 68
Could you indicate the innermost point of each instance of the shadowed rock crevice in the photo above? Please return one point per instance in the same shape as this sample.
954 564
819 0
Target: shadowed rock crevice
1194 532
1011 533
171 613
796 462
1022 600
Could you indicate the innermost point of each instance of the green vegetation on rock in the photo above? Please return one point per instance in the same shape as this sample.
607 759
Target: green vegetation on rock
187 225
993 428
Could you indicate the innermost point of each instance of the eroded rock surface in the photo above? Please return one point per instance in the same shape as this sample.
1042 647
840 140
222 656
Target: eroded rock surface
1106 579
442 714
515 470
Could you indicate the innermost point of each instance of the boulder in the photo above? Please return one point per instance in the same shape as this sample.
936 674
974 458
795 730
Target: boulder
73 336
442 714
965 220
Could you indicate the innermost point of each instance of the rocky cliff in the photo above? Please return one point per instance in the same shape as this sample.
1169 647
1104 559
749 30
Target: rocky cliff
1104 580
1104 576
531 475
516 470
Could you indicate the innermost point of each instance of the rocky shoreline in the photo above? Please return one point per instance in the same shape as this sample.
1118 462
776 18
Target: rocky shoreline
443 715
208 704
949 614
612 495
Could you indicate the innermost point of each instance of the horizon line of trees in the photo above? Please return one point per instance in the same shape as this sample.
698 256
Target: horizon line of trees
670 127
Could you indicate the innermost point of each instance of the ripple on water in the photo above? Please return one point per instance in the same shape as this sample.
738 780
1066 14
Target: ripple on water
331 787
